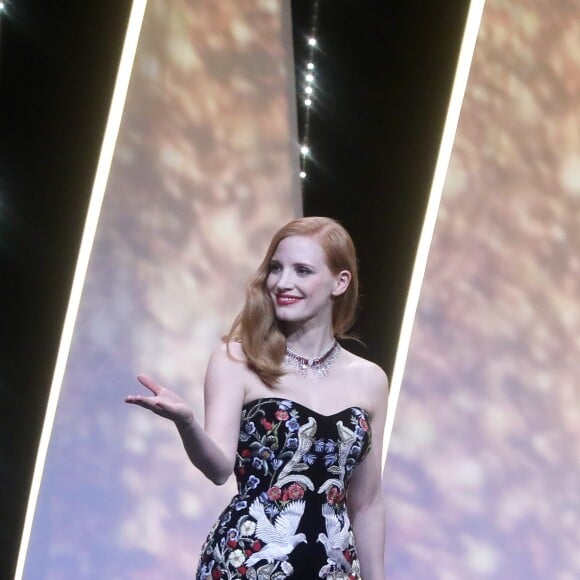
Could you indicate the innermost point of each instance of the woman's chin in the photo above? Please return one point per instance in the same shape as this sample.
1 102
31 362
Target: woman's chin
286 319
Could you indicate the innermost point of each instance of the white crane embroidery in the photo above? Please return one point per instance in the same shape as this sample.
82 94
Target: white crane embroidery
336 539
279 538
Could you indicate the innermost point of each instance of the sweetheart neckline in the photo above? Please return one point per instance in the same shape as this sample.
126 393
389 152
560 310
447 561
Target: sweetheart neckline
309 409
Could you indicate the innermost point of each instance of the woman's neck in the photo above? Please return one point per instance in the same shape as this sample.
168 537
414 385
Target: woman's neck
309 342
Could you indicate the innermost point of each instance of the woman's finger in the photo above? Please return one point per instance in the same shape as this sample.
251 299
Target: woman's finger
149 384
146 402
152 403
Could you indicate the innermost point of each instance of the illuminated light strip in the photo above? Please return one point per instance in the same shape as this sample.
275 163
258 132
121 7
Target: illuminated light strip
307 90
451 121
94 210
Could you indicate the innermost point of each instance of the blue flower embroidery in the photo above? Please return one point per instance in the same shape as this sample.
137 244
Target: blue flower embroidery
253 482
292 424
330 446
265 453
359 432
319 445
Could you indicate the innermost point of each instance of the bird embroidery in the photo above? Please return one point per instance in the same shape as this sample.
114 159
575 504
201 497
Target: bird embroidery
347 440
279 538
306 435
336 539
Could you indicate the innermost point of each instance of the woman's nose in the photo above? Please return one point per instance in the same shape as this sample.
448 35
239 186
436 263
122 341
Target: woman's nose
285 280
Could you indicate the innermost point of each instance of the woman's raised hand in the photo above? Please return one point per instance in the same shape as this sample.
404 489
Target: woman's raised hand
164 402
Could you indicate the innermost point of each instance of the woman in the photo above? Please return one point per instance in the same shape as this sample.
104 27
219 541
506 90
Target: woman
307 467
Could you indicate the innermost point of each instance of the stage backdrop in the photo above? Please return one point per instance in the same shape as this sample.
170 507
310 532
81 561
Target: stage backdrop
205 171
483 473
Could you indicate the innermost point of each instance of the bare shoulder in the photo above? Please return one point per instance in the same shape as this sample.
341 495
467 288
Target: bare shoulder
227 362
226 375
365 368
369 374
228 354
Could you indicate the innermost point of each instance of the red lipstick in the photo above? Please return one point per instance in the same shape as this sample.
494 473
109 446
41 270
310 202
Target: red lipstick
286 300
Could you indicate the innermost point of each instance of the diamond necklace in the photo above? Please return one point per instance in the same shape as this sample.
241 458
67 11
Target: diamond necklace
319 366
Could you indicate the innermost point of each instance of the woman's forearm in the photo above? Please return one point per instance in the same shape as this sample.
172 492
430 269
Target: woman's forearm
204 452
368 525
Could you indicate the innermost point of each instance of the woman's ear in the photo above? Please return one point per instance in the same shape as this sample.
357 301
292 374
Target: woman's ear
342 282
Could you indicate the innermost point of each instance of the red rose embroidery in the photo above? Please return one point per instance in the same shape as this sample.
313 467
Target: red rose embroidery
295 491
334 496
257 546
246 453
281 415
232 543
364 424
274 493
267 425
216 574
242 570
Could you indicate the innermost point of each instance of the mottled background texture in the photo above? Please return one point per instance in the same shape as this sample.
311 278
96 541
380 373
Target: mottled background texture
483 473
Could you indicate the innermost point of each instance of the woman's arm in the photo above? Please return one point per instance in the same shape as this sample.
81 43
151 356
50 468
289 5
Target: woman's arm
365 496
367 515
212 449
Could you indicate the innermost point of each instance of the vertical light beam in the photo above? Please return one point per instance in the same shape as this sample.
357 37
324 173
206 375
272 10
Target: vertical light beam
94 210
448 137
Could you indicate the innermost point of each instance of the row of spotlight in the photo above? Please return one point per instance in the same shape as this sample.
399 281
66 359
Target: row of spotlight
308 91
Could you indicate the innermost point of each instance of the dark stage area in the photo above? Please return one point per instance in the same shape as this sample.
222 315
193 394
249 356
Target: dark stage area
384 75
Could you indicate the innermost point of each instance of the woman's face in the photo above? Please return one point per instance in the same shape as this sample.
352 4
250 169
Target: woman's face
300 283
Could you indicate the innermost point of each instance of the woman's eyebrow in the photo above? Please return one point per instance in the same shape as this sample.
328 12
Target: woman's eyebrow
294 264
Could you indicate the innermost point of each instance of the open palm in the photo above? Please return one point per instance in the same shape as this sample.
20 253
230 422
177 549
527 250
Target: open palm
164 402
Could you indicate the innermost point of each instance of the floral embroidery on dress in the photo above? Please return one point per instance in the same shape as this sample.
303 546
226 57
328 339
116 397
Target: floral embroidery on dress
293 467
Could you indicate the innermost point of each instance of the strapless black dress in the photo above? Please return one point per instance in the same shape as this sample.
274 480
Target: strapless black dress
289 517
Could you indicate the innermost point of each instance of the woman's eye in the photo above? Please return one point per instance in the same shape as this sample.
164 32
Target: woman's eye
303 271
274 267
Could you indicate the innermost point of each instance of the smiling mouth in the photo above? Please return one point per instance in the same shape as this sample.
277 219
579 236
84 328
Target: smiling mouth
286 300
